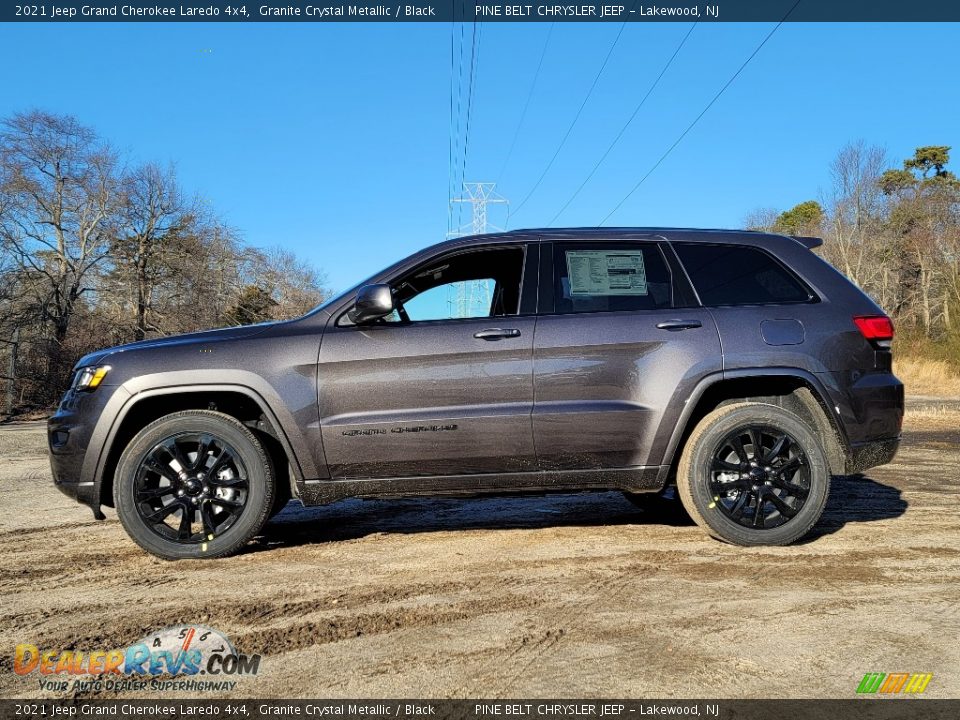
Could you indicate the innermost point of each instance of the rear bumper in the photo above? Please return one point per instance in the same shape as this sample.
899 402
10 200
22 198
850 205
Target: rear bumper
864 456
869 409
869 406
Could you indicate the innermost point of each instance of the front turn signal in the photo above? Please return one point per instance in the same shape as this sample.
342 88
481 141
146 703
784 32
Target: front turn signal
90 378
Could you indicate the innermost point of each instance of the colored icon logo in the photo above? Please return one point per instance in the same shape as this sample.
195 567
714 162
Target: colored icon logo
893 683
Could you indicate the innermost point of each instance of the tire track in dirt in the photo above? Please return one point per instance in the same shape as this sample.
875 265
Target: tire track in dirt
545 596
254 621
501 673
299 635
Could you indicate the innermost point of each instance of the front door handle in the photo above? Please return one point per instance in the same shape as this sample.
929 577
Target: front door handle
679 324
496 333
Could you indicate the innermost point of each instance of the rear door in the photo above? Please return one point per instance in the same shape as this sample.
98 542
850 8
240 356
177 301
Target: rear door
444 386
620 344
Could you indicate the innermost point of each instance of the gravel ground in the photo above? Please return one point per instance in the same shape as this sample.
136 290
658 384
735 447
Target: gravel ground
567 595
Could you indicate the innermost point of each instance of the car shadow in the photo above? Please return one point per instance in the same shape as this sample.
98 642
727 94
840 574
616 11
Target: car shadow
853 498
354 518
857 498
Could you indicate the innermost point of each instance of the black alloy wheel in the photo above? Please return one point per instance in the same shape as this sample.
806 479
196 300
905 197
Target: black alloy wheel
194 484
191 487
759 476
754 473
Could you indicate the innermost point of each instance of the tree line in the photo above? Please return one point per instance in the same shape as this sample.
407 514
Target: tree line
895 231
96 251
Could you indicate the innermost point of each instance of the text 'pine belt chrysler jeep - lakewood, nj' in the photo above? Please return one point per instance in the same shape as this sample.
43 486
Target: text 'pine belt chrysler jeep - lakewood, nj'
737 366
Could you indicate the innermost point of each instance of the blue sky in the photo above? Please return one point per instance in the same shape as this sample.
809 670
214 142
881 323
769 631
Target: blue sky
333 139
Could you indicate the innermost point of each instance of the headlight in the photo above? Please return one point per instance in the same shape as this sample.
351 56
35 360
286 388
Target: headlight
89 378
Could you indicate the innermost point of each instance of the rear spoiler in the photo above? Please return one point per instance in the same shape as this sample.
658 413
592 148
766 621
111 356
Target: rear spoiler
808 242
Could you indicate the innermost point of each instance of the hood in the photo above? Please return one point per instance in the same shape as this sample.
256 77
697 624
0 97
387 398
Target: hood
207 336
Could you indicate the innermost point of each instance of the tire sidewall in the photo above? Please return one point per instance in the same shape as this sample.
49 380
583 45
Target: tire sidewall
700 463
260 484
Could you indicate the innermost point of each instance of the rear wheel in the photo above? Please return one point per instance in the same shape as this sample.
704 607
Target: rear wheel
194 484
754 474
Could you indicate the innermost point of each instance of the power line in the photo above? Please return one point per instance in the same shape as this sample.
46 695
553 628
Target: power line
576 117
627 124
702 113
455 132
526 105
450 166
474 61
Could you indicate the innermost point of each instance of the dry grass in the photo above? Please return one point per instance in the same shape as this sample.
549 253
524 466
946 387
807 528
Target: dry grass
931 418
927 377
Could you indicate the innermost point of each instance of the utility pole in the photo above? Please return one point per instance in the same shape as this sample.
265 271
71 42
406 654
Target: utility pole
474 294
12 370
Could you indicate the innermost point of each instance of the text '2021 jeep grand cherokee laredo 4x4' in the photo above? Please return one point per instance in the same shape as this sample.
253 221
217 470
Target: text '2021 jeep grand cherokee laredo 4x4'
738 365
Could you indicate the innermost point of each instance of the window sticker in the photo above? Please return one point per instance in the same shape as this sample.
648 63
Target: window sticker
606 272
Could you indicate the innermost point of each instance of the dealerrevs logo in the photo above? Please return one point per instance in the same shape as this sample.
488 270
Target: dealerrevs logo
170 659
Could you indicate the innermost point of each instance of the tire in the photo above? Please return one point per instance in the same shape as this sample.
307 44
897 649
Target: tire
161 480
743 499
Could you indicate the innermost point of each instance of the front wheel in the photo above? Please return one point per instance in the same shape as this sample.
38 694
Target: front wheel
194 484
754 474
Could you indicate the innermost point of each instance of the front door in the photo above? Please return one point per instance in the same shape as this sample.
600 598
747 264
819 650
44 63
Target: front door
615 359
444 385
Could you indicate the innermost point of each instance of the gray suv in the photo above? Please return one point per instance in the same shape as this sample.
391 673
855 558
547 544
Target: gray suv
737 368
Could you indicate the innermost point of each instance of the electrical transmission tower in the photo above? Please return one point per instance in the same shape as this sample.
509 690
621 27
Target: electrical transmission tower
473 296
479 195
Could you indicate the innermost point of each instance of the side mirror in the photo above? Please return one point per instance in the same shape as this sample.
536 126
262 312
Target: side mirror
373 302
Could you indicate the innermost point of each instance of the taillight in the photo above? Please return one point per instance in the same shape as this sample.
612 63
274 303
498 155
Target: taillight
875 328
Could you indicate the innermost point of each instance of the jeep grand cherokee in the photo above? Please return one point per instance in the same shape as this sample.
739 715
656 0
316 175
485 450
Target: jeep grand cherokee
738 368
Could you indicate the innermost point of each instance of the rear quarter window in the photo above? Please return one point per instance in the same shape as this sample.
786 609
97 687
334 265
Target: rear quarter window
739 275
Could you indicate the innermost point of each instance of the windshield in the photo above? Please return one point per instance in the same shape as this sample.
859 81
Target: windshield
381 276
335 300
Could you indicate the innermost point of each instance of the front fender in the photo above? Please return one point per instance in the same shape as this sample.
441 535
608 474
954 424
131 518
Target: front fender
140 388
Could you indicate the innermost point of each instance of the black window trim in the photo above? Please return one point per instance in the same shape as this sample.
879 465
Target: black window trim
526 247
812 297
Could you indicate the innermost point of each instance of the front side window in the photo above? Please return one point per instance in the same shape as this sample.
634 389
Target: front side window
475 284
461 299
602 277
738 275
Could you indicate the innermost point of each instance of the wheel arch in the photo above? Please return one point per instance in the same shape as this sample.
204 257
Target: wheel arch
238 401
793 389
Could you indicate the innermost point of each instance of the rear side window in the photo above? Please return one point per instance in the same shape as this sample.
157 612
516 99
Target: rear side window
602 277
738 275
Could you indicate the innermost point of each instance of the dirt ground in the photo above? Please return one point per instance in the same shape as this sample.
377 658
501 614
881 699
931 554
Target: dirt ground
569 595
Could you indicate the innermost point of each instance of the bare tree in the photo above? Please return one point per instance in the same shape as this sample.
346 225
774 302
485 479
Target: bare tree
855 210
761 219
59 198
294 285
152 211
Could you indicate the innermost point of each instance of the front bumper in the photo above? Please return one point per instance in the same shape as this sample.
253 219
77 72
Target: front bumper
70 431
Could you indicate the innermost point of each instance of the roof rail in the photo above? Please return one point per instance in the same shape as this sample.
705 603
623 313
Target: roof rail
808 242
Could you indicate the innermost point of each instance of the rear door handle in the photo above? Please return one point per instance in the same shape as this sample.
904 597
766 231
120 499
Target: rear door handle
496 333
679 324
